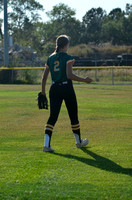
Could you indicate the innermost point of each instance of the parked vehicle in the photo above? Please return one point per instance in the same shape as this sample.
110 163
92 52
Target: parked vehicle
125 59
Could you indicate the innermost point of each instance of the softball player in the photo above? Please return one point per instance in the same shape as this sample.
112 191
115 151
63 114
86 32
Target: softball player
60 64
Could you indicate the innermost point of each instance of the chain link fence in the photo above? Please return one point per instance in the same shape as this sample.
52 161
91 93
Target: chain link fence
106 68
100 75
108 75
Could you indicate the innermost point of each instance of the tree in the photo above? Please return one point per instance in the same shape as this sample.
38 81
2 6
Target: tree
21 21
23 10
113 32
1 8
24 35
1 5
62 21
61 12
128 11
92 25
22 18
27 29
116 28
127 23
1 36
116 14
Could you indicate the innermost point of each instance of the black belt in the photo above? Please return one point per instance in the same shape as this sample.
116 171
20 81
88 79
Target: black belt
60 83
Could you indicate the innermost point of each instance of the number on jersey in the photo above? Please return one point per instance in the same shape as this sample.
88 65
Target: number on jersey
56 66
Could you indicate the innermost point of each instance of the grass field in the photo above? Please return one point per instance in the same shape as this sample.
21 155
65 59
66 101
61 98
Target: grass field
102 171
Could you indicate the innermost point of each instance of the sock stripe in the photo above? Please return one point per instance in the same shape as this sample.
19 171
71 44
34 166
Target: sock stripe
49 129
75 125
77 128
50 126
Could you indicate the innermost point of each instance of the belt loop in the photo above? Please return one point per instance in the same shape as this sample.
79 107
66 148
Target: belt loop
66 82
60 83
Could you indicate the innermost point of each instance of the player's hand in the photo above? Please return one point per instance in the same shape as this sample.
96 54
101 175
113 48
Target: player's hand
42 101
88 80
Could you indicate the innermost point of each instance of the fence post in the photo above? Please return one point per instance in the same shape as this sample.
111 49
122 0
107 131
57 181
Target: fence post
125 75
96 70
112 76
78 75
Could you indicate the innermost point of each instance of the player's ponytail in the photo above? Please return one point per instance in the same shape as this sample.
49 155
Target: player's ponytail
61 42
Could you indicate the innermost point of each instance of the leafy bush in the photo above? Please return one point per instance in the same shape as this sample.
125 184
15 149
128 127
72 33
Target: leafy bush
27 76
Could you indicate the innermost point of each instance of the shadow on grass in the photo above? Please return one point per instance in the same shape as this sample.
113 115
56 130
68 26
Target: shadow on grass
99 162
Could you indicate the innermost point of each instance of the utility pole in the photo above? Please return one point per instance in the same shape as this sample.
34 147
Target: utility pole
6 55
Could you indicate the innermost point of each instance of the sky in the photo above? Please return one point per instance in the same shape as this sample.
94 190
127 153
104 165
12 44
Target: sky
82 6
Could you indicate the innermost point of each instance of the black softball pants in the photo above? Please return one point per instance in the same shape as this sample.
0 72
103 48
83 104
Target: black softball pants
58 93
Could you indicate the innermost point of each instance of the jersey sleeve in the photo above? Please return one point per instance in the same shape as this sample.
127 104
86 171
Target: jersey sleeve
47 64
70 59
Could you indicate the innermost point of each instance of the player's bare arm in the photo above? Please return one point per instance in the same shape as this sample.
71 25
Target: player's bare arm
42 99
72 76
44 79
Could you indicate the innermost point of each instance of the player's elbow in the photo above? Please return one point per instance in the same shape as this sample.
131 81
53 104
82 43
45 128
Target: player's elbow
69 71
43 79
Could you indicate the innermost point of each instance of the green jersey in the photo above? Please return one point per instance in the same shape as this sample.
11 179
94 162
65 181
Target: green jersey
57 64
